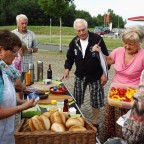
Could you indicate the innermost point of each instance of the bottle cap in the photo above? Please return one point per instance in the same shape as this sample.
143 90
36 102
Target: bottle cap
53 102
66 100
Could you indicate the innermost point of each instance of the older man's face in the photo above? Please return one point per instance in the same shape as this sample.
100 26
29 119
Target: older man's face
81 30
22 25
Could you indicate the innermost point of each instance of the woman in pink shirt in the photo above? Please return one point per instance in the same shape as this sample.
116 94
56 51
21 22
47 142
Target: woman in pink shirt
128 64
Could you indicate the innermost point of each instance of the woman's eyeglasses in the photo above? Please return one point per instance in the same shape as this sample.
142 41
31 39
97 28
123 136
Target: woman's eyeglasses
14 52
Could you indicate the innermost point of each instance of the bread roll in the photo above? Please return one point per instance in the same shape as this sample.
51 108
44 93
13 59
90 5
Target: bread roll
81 119
58 117
77 128
37 122
47 114
58 127
32 128
73 121
45 122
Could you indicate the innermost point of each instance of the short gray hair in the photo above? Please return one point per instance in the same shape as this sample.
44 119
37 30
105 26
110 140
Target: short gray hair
78 20
135 34
18 17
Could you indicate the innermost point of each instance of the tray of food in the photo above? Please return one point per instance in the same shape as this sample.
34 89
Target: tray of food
121 95
58 89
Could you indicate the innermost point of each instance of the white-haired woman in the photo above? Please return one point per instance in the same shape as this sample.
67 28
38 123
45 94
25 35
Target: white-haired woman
128 64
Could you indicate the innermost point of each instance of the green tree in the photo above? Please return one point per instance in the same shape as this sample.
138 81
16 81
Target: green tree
69 16
55 8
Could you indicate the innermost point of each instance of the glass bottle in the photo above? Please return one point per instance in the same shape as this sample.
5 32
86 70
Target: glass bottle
53 108
49 72
66 106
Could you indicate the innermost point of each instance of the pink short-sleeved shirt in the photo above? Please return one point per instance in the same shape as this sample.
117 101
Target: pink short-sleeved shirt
130 73
17 63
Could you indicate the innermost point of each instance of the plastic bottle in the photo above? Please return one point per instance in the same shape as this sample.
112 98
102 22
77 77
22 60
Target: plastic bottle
28 78
66 106
53 108
49 72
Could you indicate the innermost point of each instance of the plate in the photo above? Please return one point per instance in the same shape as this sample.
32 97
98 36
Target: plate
58 91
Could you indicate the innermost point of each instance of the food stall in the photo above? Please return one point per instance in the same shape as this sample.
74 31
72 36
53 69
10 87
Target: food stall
24 135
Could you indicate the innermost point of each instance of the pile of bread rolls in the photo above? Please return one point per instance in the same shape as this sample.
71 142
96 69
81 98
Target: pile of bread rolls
57 122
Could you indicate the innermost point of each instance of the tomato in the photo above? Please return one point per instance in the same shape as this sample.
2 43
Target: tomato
58 87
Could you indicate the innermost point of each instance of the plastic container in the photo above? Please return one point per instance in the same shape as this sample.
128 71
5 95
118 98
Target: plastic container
53 108
47 81
31 95
118 103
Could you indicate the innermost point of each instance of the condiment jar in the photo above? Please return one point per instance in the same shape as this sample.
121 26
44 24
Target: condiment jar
66 106
53 108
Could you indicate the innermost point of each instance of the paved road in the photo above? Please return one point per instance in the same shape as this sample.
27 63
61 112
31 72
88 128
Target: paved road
52 47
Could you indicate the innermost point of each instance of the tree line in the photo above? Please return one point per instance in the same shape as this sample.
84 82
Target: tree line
10 8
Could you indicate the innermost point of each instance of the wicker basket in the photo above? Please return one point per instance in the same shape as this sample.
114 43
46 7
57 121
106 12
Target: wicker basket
49 137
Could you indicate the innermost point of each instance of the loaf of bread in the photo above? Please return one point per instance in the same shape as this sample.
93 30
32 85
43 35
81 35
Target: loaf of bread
47 114
74 121
45 122
39 123
58 117
58 127
31 125
77 128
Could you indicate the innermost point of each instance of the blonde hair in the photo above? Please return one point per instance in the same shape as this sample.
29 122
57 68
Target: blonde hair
24 48
134 34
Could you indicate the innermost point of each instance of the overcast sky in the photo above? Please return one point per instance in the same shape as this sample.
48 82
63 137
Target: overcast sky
123 8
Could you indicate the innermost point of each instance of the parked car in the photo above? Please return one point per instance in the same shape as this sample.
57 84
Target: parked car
106 29
99 31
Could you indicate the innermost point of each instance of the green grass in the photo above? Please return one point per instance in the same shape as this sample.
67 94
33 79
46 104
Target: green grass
67 35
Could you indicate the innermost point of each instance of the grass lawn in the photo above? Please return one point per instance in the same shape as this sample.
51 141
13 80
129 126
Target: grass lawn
67 35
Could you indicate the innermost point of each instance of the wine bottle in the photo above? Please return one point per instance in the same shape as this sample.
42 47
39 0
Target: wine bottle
49 72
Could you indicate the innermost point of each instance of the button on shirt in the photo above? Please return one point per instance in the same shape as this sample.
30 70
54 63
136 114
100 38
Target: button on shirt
84 44
29 39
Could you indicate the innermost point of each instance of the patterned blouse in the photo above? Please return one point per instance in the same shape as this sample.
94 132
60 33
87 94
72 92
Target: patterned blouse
17 63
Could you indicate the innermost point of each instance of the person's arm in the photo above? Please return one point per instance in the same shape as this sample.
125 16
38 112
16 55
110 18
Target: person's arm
32 50
69 62
103 79
109 60
19 86
66 74
34 47
9 111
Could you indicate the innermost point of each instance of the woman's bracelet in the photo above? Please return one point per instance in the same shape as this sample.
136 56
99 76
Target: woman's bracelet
18 109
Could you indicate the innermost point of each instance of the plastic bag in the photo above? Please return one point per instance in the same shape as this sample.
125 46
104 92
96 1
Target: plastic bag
133 129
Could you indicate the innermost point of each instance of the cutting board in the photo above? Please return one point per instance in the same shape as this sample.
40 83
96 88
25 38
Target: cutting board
58 97
43 87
